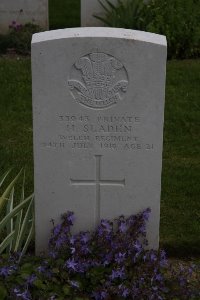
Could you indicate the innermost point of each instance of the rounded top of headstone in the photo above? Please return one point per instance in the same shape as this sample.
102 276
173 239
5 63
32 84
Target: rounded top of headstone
100 32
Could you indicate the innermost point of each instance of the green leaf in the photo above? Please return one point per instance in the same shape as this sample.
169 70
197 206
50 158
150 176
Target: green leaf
39 284
112 6
6 242
24 226
9 227
23 184
27 268
7 218
3 177
104 6
104 20
3 292
18 222
6 193
55 270
66 290
29 238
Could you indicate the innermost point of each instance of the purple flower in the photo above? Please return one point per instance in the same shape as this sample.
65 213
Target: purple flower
57 229
158 277
123 227
85 250
74 284
53 254
123 291
58 243
70 217
131 220
106 226
142 229
120 257
6 271
85 237
146 214
73 250
138 246
71 265
42 269
72 240
30 280
100 295
107 259
22 295
119 273
153 257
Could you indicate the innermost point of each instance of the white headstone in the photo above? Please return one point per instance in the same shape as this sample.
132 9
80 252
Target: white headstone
98 110
89 8
21 12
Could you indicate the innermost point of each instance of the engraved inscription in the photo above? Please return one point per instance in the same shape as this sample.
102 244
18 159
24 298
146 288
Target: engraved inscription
118 132
98 80
98 182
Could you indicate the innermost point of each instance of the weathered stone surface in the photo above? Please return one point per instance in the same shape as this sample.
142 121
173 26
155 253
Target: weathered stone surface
89 8
21 12
98 110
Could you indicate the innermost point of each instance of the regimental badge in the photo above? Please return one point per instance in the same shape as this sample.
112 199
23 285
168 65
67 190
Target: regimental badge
98 80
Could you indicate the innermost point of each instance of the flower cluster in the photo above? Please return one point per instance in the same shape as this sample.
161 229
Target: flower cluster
110 263
15 26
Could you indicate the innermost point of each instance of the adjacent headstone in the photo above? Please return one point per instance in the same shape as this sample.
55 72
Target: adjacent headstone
98 110
89 8
21 12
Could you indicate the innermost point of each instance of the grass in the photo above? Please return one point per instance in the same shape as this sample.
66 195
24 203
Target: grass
180 209
180 206
16 118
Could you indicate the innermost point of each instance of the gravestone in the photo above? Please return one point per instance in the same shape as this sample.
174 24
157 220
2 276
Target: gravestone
98 110
21 12
89 8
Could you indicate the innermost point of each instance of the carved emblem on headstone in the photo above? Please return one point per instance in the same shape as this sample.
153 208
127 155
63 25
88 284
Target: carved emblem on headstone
98 80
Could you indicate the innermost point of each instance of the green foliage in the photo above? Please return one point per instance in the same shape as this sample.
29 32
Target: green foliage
108 263
126 14
64 13
177 19
5 43
18 38
17 223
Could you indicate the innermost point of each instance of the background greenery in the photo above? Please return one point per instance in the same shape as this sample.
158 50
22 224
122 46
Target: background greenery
180 206
177 19
64 13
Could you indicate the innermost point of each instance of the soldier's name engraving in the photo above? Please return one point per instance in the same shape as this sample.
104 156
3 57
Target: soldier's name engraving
108 128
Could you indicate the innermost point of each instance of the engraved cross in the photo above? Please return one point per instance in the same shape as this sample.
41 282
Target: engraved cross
98 182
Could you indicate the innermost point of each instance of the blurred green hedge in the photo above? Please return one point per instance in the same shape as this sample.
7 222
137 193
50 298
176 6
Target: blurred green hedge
179 20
